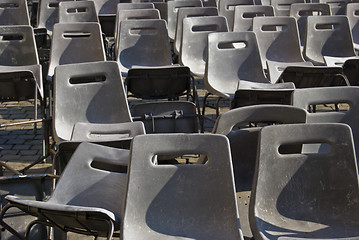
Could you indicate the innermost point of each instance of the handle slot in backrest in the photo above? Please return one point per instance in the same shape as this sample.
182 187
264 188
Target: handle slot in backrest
109 166
283 6
230 45
87 79
328 107
205 28
11 37
143 31
189 6
53 5
76 34
274 28
321 148
77 10
304 13
180 159
356 13
111 135
9 5
253 14
327 26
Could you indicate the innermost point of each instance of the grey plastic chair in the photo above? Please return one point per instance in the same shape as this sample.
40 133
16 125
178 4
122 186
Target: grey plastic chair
48 14
353 18
300 11
132 14
323 36
306 98
243 16
337 7
278 42
167 117
90 104
143 43
77 11
305 196
194 41
242 126
190 12
88 197
14 12
226 9
172 12
202 197
282 7
70 44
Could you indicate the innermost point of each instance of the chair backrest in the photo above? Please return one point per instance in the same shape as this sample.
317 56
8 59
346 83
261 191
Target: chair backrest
172 12
243 16
278 39
89 93
337 7
282 7
128 6
77 11
132 14
353 17
85 183
200 194
297 191
242 126
106 7
76 43
327 36
17 46
48 14
232 57
194 40
226 9
300 11
305 98
14 12
190 12
143 43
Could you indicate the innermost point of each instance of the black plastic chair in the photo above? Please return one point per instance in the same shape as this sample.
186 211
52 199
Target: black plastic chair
201 196
305 195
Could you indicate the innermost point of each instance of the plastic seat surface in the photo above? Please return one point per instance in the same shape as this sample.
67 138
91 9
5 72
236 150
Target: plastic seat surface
323 36
48 14
87 93
190 12
19 65
194 41
243 16
200 194
304 98
282 7
14 12
86 196
70 43
226 9
77 11
132 14
143 43
172 13
227 64
353 22
337 7
244 144
300 11
305 196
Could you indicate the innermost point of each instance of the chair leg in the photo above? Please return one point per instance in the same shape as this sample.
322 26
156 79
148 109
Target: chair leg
111 229
6 226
